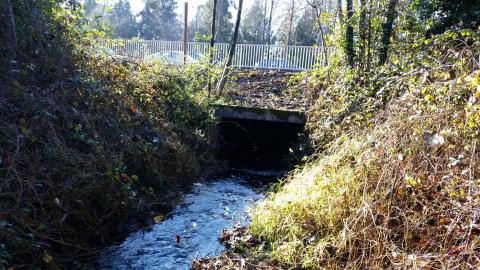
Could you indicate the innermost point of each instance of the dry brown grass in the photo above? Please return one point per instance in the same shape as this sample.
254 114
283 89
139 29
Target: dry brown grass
81 154
395 184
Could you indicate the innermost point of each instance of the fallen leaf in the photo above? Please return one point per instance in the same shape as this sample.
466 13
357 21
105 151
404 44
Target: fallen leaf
159 219
125 177
47 259
133 109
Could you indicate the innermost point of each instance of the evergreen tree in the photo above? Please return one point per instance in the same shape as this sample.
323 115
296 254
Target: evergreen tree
223 26
195 25
254 24
159 20
306 28
439 15
97 13
122 20
290 16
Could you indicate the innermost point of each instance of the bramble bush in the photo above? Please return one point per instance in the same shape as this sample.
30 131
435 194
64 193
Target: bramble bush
88 141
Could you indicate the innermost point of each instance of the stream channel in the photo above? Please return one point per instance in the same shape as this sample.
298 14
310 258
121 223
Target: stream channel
193 229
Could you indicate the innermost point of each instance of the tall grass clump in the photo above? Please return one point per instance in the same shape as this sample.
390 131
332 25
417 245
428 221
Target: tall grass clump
312 204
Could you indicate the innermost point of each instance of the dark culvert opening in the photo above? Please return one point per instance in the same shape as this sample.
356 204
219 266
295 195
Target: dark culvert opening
256 144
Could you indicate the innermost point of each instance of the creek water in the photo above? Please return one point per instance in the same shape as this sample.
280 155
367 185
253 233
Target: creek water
193 229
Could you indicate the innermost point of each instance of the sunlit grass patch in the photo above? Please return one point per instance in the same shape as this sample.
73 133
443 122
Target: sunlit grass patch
313 205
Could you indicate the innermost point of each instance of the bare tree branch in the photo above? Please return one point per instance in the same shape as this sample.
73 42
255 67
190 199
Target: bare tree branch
233 43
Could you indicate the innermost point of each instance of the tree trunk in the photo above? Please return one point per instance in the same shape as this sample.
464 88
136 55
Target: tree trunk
212 45
324 48
362 33
340 11
318 13
233 43
269 28
7 26
290 24
387 29
36 24
264 23
369 36
349 34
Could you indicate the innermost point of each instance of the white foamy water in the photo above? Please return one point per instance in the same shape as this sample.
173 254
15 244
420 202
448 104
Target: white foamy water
198 222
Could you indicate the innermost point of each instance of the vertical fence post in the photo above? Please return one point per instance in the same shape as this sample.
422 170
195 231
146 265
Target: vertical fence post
185 38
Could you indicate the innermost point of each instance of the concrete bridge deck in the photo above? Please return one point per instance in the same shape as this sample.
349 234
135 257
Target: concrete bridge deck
259 114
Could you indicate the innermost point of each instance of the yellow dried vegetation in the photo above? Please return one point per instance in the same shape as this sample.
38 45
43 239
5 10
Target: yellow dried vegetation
395 184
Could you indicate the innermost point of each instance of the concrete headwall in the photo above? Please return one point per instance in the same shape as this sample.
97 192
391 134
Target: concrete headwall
257 138
260 114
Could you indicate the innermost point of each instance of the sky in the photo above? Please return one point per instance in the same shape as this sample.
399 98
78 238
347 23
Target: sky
137 5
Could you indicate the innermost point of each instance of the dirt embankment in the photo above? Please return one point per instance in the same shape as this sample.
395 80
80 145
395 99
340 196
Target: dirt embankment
265 89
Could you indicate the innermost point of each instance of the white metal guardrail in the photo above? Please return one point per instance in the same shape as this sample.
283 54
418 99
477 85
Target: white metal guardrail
246 55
